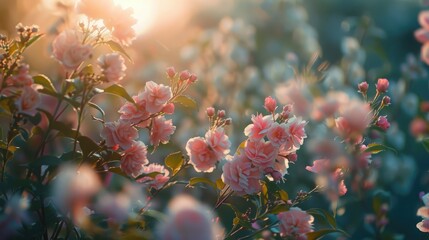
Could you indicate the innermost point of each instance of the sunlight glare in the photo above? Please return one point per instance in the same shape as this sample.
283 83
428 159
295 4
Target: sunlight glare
144 11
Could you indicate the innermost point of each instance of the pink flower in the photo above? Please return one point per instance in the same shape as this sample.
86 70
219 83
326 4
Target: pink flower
319 166
171 72
261 153
69 50
156 96
210 111
188 219
121 23
112 66
424 19
161 129
383 123
423 212
354 120
28 100
119 133
23 78
278 134
201 156
382 85
157 181
218 141
135 113
296 131
270 104
259 128
92 8
363 87
241 176
295 223
134 159
423 226
168 108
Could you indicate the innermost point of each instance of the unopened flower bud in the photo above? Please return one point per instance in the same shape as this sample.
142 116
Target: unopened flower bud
382 85
171 72
363 87
20 28
184 75
287 110
270 104
277 176
210 111
386 100
221 113
34 28
268 170
193 78
228 121
169 108
292 157
383 123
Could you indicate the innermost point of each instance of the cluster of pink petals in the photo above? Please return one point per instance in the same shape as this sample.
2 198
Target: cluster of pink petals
159 180
69 50
330 177
118 20
28 100
161 130
383 123
112 66
241 175
134 159
272 142
354 120
205 153
119 133
155 96
422 35
22 78
423 212
295 223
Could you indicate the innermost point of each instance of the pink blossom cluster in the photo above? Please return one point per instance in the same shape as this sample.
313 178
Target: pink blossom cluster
205 152
424 213
272 143
422 35
295 224
22 87
147 111
330 177
70 50
118 20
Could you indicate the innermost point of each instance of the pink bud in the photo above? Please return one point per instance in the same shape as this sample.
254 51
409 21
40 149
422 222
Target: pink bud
184 75
277 176
221 113
268 170
292 157
382 85
386 100
287 110
363 87
193 78
171 72
383 123
210 111
169 108
270 104
228 121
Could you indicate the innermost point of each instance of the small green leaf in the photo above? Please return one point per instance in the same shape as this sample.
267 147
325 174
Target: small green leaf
279 208
426 144
118 48
119 91
87 70
325 215
196 180
220 184
33 40
375 148
151 175
186 101
87 145
118 171
45 82
284 195
174 161
95 106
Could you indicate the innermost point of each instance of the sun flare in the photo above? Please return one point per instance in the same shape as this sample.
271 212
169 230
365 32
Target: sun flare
144 12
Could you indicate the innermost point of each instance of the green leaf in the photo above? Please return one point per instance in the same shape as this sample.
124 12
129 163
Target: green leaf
375 148
119 91
118 48
151 175
71 156
87 70
186 101
284 195
241 146
33 40
196 180
320 233
426 144
45 82
87 145
174 161
118 171
95 106
220 184
325 215
279 208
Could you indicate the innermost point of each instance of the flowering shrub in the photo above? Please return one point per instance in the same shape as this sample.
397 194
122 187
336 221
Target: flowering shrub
259 139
